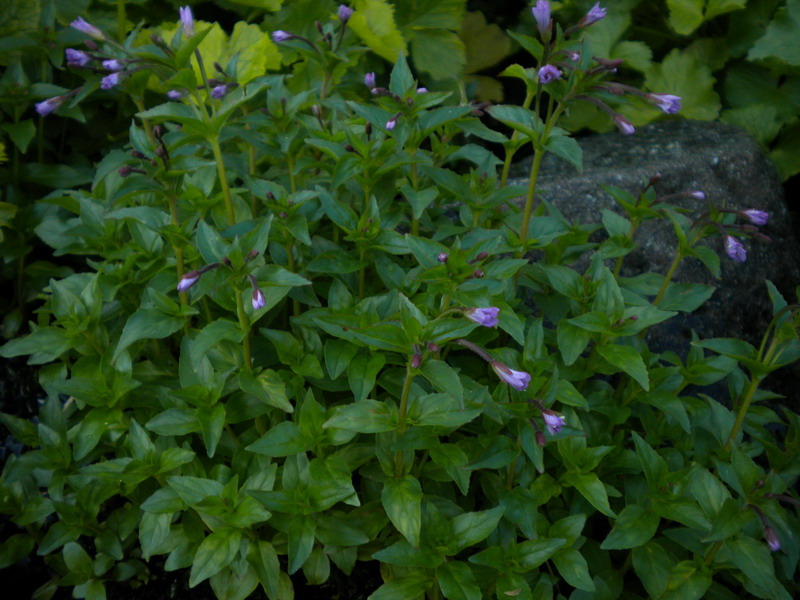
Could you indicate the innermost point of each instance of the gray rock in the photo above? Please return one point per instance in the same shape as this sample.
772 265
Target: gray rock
728 166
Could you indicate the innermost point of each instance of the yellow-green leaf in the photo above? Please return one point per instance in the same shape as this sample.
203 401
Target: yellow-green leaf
373 21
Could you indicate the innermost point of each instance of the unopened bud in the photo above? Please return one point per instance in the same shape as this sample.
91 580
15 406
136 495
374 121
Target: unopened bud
432 347
137 154
252 254
90 44
416 360
478 273
541 440
482 256
188 280
124 171
442 257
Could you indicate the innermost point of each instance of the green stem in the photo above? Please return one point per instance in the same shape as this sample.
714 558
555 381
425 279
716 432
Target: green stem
244 323
668 278
292 266
401 417
741 412
511 150
223 179
362 273
121 19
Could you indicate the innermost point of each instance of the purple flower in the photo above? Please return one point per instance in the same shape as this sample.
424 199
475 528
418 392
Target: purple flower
553 421
442 257
548 73
344 13
369 79
574 56
483 316
109 81
114 64
188 280
541 12
773 541
187 21
422 90
88 29
77 58
219 91
734 249
175 94
697 194
281 36
595 14
624 125
45 107
756 217
519 380
259 301
391 123
667 102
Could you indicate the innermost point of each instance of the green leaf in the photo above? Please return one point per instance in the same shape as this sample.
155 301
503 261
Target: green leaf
404 554
685 15
471 528
533 553
301 541
439 53
652 564
686 582
634 527
454 461
572 566
147 323
626 359
402 500
264 560
362 371
401 80
338 354
21 133
43 345
212 421
153 531
367 416
194 490
653 465
591 488
373 22
517 118
174 421
572 341
567 148
440 410
283 439
77 560
409 587
780 40
215 553
457 581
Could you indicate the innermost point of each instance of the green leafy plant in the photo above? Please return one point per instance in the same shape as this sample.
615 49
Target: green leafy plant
315 329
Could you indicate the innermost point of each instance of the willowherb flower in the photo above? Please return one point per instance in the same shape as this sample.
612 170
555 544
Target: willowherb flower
734 249
113 64
188 280
756 217
595 13
259 301
344 13
442 257
667 102
187 21
391 124
483 316
81 25
548 73
624 125
45 107
175 94
698 195
553 421
369 79
281 36
219 91
422 90
541 12
77 58
519 380
109 81
773 541
574 56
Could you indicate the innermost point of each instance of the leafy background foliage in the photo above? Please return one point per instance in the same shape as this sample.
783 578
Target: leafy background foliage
343 420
